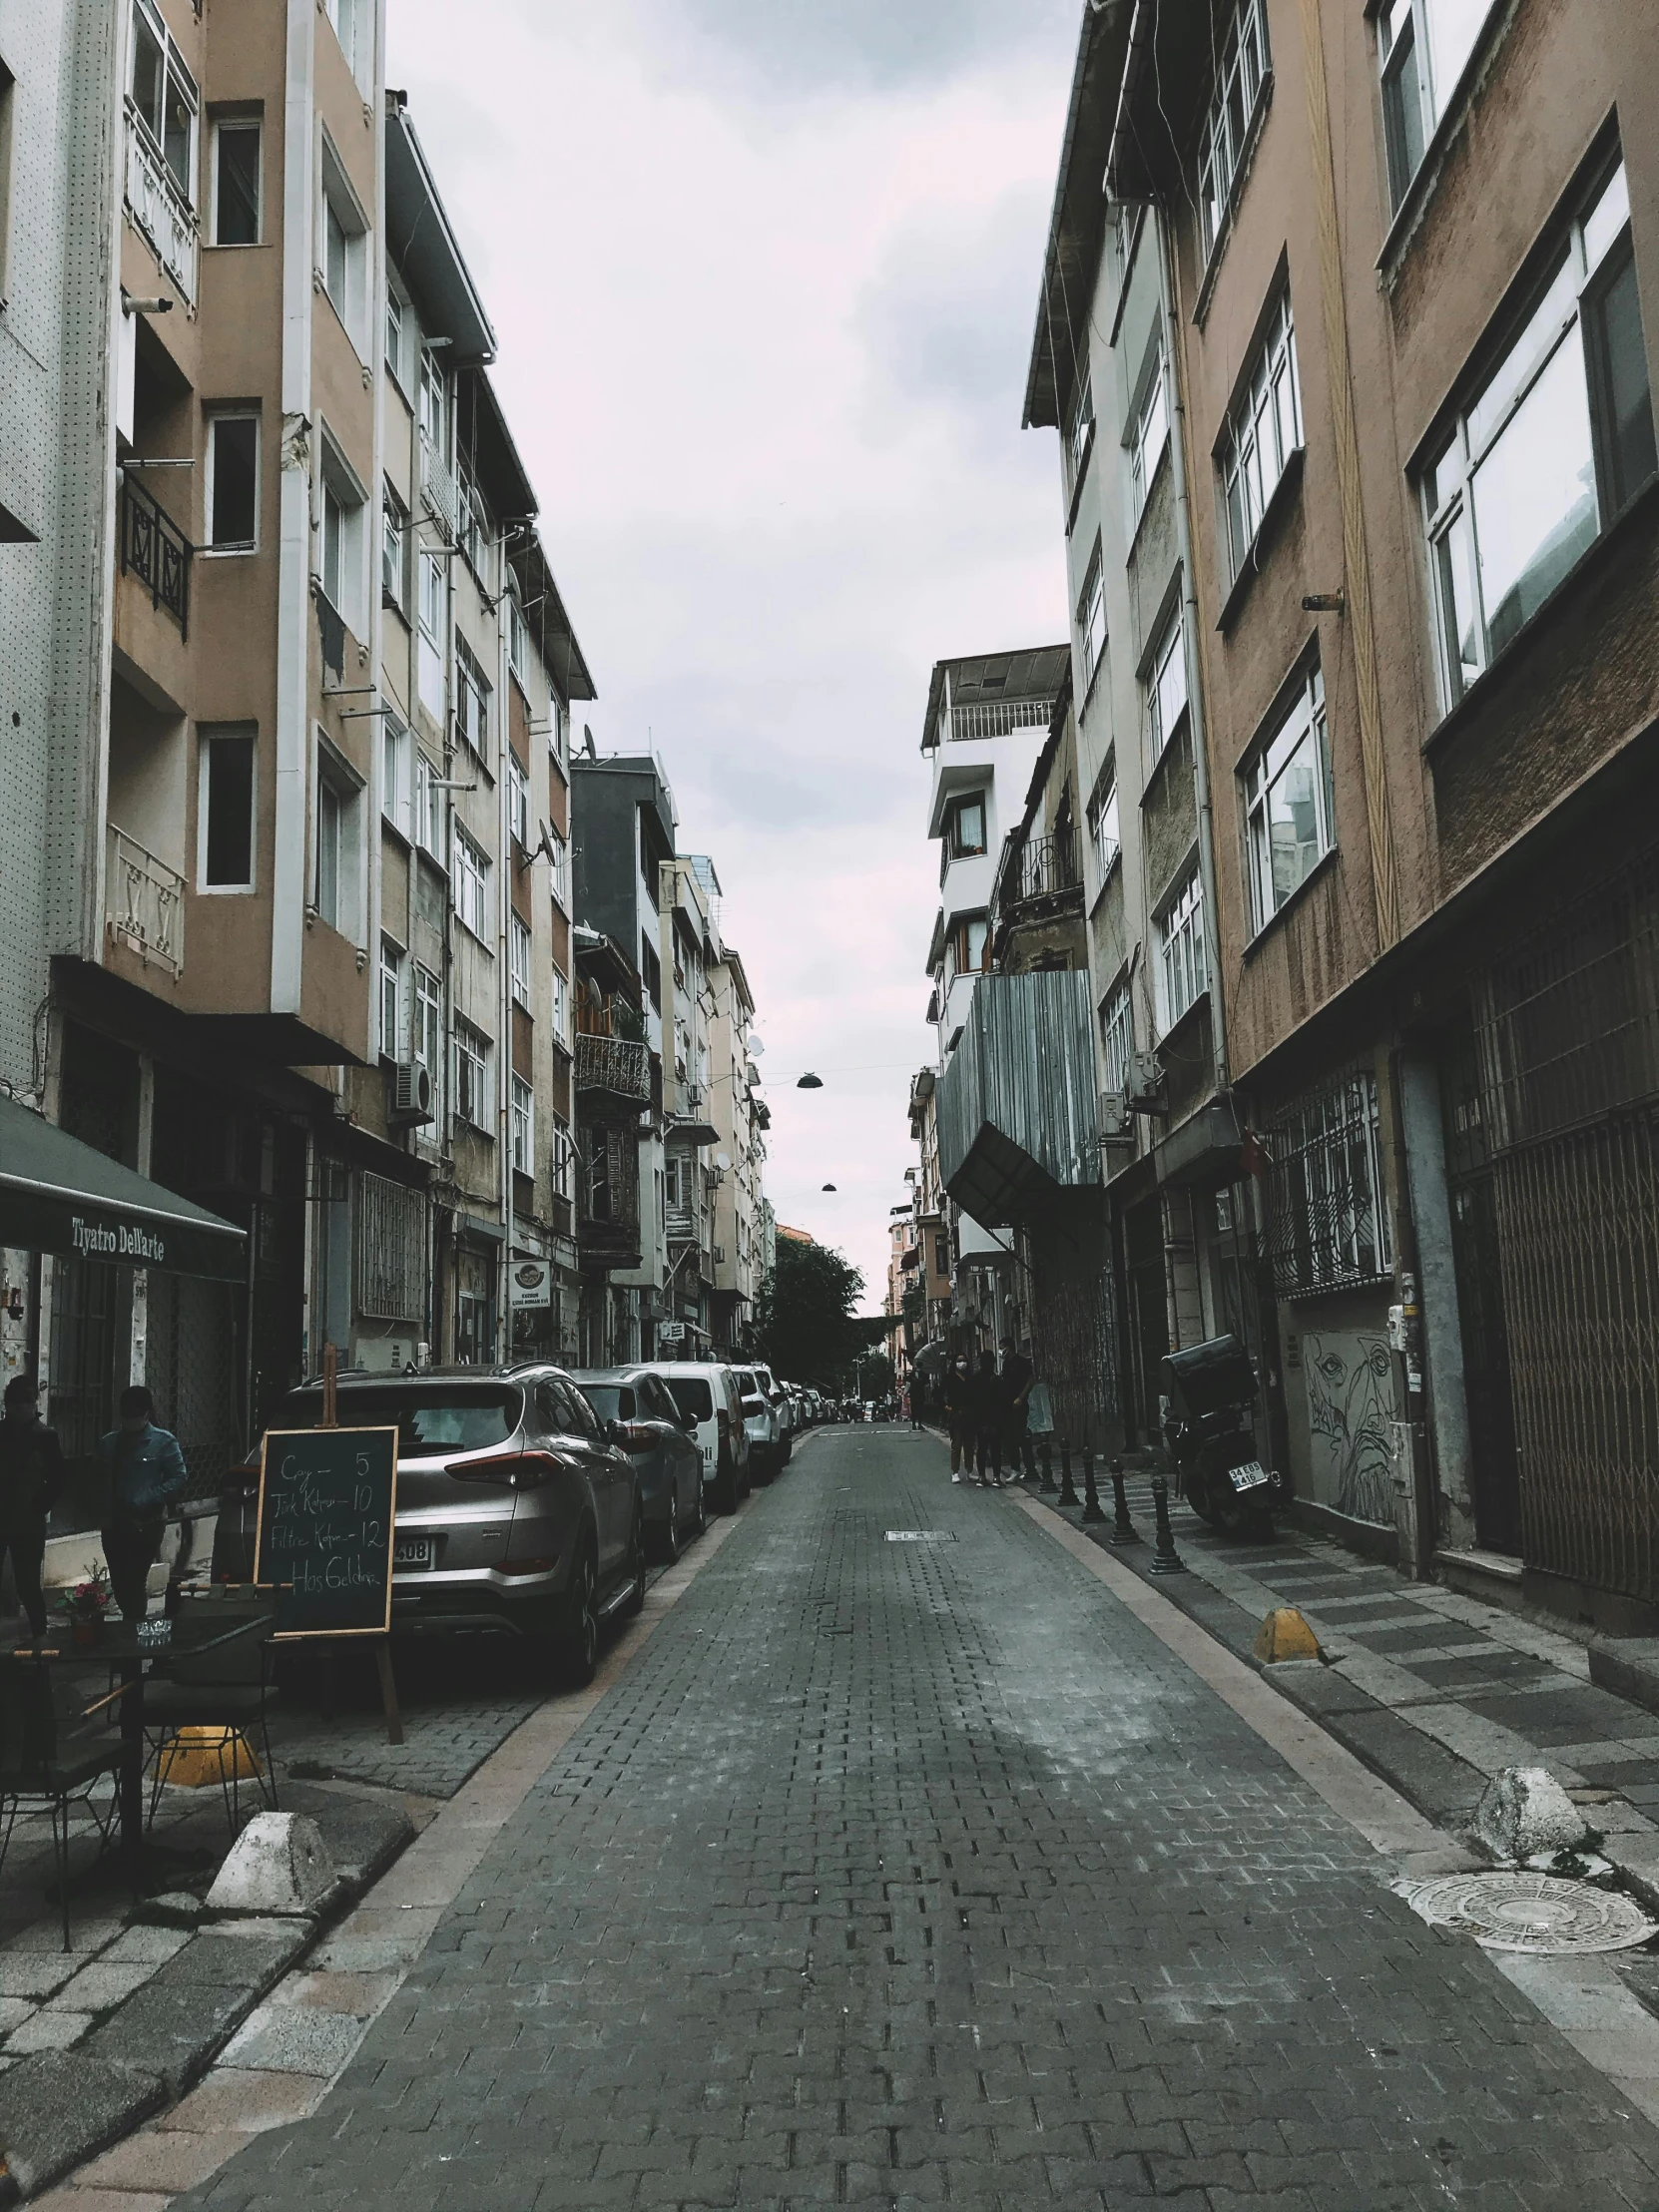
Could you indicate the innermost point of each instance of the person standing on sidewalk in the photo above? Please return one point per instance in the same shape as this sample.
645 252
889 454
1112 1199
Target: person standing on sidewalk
958 1415
987 1423
1015 1382
31 1481
145 1469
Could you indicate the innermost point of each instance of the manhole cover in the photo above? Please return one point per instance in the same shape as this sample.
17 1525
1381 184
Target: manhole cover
920 1536
1540 1912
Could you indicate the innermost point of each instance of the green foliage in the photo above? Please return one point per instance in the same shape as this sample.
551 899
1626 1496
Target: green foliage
912 1307
875 1375
806 1322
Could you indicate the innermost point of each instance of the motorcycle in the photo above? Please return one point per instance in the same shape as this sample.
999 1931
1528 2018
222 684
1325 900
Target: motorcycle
1211 1396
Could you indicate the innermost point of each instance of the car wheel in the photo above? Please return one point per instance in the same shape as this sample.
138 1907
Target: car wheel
634 1599
579 1644
699 1526
725 1491
672 1544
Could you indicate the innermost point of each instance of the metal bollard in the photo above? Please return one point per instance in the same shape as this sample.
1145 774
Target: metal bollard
1047 1483
1165 1558
1124 1531
1068 1496
1091 1496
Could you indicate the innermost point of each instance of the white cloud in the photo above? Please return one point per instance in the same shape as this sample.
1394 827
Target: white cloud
764 279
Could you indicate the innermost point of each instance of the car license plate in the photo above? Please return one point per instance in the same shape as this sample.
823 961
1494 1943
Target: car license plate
412 1552
1250 1476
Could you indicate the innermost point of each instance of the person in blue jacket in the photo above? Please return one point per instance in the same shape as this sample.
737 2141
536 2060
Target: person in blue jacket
147 1472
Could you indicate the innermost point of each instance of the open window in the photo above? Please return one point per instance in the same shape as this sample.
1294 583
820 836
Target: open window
226 804
236 210
343 503
1288 801
336 842
233 486
344 249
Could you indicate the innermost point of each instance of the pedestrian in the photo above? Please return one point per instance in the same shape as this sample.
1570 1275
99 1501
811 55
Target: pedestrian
1016 1381
915 1402
958 1415
146 1470
31 1481
987 1423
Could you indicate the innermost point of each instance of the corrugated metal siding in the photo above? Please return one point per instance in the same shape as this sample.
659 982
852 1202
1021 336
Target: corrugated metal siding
1025 1068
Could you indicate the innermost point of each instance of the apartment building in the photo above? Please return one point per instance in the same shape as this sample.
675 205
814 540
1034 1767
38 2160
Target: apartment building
740 1119
305 804
1408 256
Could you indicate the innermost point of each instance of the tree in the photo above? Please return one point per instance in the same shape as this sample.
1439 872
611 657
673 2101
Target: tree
875 1375
806 1320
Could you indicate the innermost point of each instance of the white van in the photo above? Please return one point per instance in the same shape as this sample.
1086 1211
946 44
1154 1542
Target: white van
782 1414
713 1395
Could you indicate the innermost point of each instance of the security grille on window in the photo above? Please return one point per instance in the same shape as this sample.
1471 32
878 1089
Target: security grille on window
472 886
518 952
1328 1228
1185 972
474 1103
1241 76
523 1123
1166 684
1117 1037
1091 618
392 1250
1552 443
1289 807
1262 431
1104 826
473 691
1148 432
1424 47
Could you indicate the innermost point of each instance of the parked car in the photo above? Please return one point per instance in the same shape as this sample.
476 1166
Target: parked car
518 1512
783 1413
713 1395
653 1431
760 1425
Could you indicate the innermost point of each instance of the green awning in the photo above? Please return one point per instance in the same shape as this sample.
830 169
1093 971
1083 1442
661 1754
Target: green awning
59 1195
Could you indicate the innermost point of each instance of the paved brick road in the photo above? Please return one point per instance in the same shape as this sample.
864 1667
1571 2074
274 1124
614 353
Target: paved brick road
898 1873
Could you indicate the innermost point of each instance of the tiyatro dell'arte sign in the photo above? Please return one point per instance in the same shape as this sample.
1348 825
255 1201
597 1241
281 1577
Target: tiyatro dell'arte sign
102 1240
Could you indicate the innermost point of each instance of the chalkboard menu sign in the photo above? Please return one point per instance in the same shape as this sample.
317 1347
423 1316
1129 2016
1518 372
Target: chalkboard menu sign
326 1500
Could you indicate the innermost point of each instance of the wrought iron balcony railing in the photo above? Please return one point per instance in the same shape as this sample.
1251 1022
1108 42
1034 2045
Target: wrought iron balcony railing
1047 866
145 899
616 1066
156 551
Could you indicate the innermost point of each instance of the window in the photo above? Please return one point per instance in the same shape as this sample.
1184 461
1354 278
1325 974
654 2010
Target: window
472 1077
225 802
1552 443
1104 830
431 410
426 808
1289 805
336 891
1148 432
651 971
394 528
1262 431
236 160
1117 1037
1240 74
397 333
472 518
344 248
1327 1226
430 585
970 946
1181 944
523 1127
395 774
1166 683
518 803
8 110
564 1154
164 97
354 22
518 959
1079 432
518 641
391 999
428 1020
1091 618
342 540
233 490
558 869
1424 47
561 1009
472 885
472 692
966 821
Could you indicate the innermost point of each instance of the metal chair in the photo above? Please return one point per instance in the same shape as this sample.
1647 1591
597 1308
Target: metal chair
50 1755
227 1687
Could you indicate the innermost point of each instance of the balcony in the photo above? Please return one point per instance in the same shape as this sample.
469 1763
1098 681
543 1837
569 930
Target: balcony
1018 1135
1047 868
689 1122
156 551
613 1075
160 208
438 488
145 902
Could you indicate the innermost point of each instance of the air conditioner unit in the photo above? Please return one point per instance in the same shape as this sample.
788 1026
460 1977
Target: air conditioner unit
1143 1091
411 1092
1114 1117
720 1255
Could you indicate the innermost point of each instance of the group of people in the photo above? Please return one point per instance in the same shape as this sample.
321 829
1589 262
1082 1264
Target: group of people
987 1411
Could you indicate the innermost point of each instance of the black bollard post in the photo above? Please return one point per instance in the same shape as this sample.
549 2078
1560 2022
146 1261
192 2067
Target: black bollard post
1068 1496
1091 1496
1165 1558
1047 1483
1123 1528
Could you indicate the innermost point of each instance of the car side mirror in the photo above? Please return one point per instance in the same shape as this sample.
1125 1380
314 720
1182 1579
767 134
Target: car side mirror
689 1423
613 1434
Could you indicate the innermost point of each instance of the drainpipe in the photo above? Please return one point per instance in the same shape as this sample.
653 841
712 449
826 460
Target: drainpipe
1188 636
504 957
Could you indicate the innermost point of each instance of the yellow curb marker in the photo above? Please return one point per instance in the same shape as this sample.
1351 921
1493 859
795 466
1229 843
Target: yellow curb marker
1285 1635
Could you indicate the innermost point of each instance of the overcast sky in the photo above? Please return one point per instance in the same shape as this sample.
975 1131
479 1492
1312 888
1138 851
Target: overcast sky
764 275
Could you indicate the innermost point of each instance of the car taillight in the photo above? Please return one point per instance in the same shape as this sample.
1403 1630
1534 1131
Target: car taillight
722 1422
514 1470
636 1435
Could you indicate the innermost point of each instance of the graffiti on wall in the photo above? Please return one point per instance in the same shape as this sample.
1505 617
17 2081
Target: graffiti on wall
1349 1385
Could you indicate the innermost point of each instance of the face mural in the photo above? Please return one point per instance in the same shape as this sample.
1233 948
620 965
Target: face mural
1349 1395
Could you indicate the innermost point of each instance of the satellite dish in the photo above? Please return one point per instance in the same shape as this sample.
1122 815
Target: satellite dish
756 1046
723 1160
808 1082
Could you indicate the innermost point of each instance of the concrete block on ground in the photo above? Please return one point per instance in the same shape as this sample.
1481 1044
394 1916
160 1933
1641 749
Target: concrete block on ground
63 2107
362 1831
1628 1666
1284 1636
278 1863
1523 1809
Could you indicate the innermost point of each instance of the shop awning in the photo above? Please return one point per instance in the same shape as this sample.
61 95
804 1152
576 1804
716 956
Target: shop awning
59 1195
